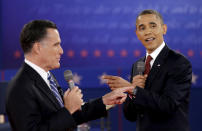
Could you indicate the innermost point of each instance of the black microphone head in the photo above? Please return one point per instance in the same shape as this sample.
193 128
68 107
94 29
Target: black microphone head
140 67
68 75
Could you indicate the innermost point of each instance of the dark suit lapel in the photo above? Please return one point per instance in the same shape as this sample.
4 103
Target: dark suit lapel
157 66
41 85
45 89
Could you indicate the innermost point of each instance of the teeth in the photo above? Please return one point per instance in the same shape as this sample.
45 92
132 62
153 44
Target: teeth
149 39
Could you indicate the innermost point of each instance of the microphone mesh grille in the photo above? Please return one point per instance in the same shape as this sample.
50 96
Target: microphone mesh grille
68 75
140 66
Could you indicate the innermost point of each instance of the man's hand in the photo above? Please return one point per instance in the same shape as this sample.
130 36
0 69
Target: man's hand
139 80
115 82
73 99
116 96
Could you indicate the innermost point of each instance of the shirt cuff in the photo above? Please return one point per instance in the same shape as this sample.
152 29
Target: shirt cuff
133 95
109 106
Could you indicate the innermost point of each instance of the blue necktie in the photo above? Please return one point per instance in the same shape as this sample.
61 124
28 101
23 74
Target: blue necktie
54 89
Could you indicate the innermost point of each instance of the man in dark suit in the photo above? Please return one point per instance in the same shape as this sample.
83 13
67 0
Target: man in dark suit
160 98
34 101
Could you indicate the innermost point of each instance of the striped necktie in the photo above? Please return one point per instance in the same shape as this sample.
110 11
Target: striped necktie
54 89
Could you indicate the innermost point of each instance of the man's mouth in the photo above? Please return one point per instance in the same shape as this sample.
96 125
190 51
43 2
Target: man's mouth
149 39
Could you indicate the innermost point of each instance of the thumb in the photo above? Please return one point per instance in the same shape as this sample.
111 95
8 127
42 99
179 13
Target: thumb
123 99
145 75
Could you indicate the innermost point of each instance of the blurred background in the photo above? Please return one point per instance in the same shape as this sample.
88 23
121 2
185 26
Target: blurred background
98 38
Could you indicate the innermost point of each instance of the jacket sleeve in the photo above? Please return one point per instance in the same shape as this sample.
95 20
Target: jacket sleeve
90 111
129 108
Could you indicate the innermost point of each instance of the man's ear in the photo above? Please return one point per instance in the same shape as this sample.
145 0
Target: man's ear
136 32
36 48
164 29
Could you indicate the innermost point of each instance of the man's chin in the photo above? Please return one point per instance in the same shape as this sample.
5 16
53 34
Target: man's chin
56 66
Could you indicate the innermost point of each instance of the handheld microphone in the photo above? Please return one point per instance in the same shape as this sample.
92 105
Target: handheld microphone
140 67
69 78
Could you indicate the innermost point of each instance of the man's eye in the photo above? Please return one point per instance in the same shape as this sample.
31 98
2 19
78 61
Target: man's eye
153 26
141 28
56 44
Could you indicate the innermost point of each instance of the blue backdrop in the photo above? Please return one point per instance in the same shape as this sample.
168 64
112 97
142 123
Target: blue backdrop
98 35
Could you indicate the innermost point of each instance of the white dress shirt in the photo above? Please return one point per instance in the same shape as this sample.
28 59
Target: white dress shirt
155 53
39 70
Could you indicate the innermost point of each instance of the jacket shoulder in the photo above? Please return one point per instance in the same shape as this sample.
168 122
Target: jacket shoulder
177 57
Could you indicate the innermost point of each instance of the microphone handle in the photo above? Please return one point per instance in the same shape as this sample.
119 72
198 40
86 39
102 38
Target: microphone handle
71 84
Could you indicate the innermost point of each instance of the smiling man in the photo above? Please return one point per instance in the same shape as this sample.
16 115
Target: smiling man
150 30
159 100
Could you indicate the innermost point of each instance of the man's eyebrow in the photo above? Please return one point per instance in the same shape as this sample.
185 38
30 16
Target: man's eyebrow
57 43
140 25
152 23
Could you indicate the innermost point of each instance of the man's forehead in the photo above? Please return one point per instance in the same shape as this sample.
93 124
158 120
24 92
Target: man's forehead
148 18
51 33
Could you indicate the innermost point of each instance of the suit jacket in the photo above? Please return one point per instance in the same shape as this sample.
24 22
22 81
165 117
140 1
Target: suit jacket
31 105
163 104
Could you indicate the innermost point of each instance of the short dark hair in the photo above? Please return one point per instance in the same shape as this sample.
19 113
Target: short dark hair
34 31
149 11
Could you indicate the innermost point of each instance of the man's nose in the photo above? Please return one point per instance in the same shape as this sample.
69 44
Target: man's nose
148 31
61 50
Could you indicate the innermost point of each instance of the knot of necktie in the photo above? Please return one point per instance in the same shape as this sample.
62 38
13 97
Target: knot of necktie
51 80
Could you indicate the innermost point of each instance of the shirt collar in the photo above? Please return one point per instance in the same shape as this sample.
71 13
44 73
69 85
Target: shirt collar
39 70
155 53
